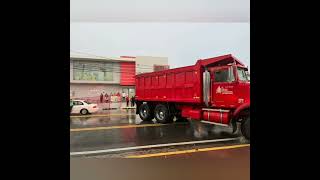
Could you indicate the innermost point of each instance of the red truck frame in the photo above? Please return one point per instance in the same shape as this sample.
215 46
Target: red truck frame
214 90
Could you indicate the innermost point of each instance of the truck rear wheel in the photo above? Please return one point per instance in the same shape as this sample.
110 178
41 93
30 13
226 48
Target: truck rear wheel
145 112
245 127
162 114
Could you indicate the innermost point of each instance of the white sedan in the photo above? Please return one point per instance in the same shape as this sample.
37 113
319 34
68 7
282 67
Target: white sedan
83 107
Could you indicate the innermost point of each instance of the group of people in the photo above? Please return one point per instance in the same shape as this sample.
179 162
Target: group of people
132 100
105 98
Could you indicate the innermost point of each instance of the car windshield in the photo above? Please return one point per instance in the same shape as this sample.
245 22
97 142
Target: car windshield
87 102
243 74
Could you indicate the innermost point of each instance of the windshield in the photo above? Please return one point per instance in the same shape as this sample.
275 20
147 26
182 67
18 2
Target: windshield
248 75
243 74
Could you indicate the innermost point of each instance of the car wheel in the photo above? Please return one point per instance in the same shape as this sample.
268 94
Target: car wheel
84 111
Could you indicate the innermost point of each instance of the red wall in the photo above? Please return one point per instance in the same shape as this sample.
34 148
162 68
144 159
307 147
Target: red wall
128 71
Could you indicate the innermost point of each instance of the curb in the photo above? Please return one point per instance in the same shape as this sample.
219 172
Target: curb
128 108
109 108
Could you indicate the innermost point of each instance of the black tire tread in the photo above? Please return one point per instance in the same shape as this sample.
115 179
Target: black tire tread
168 118
245 128
150 116
85 110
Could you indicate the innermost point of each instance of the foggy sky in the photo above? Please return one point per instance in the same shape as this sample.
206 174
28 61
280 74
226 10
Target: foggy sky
182 43
160 10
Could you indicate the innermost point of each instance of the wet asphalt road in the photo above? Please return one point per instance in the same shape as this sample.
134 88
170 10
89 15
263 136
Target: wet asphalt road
123 128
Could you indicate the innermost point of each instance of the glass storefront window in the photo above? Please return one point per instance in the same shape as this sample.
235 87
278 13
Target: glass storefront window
93 71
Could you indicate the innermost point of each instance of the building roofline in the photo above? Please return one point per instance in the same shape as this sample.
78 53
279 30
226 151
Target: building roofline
103 59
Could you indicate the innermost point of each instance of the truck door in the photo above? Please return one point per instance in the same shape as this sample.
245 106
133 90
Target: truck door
223 83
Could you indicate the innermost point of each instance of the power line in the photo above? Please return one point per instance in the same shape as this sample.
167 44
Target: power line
112 63
92 55
110 70
106 58
116 69
90 67
110 67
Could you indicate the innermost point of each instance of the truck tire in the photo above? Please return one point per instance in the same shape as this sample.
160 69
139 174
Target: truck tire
245 128
145 112
162 114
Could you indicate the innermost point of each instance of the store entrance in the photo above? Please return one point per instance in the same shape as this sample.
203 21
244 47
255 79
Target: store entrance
128 91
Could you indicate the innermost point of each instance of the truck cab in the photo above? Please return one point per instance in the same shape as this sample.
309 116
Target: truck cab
230 86
226 94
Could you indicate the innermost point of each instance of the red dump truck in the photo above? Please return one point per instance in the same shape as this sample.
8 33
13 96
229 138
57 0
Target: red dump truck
214 90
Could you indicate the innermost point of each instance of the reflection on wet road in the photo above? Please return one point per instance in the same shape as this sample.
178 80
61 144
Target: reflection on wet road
120 129
123 117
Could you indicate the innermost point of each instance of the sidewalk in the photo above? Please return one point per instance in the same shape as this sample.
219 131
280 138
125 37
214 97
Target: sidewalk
114 105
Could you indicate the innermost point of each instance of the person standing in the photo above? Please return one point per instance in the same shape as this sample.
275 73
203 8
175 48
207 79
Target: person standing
101 98
127 99
107 97
133 101
118 97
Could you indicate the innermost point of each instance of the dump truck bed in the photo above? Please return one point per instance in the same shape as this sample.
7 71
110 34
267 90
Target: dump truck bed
173 85
176 85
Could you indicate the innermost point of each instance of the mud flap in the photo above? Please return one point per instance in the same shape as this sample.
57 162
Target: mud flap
234 126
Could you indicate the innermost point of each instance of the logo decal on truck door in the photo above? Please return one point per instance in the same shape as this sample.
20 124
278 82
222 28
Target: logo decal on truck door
218 91
221 90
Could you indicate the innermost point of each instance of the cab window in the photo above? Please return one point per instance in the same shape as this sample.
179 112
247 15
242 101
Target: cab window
224 75
243 74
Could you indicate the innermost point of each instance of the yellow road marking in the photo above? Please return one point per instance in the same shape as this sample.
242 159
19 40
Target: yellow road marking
101 115
187 151
116 127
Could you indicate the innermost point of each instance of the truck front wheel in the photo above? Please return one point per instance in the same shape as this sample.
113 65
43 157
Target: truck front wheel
245 127
145 112
162 114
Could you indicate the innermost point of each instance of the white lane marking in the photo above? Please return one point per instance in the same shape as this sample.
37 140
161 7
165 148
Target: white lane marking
149 146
